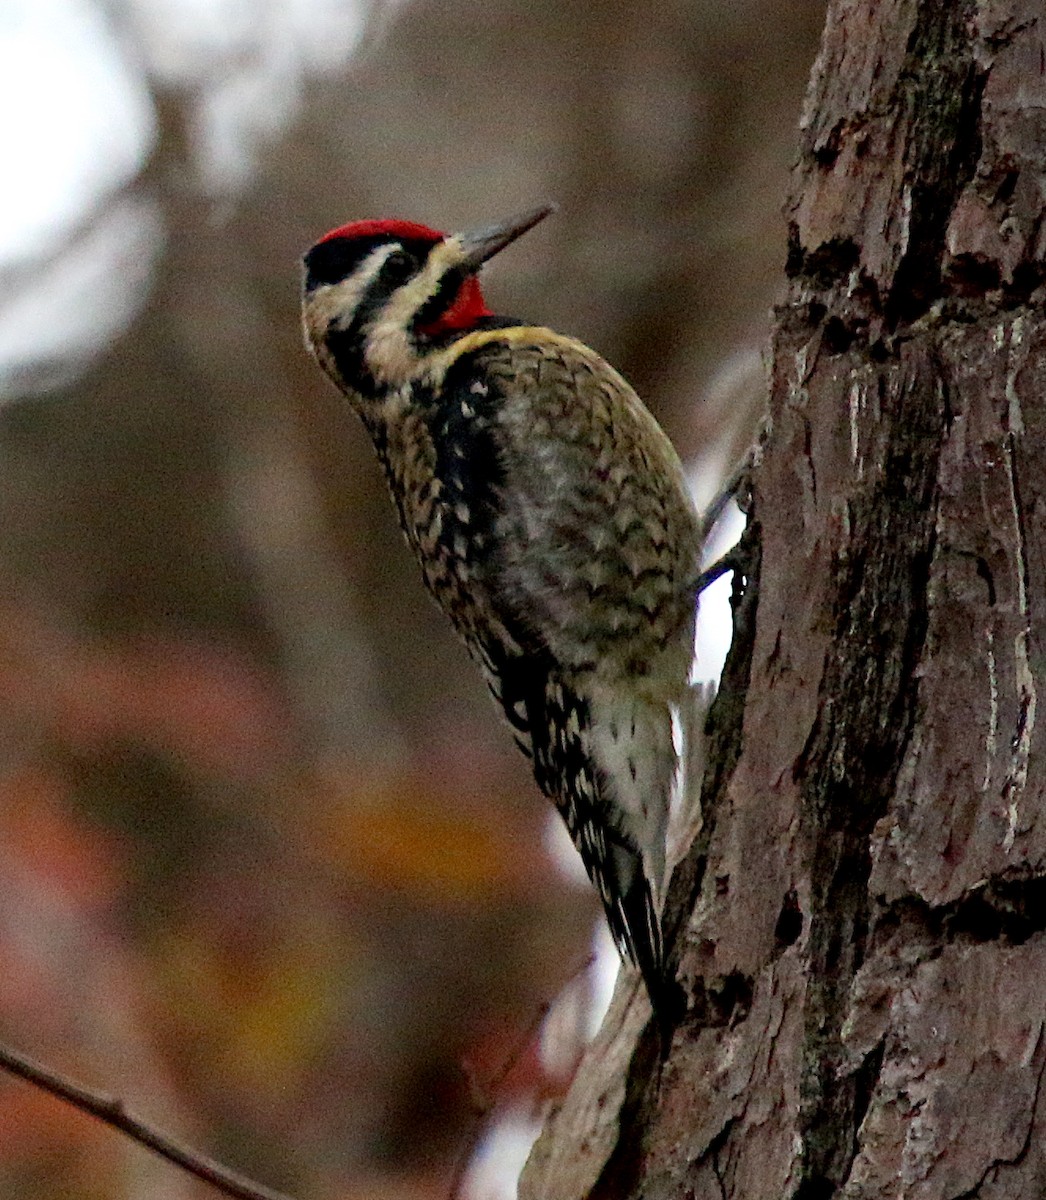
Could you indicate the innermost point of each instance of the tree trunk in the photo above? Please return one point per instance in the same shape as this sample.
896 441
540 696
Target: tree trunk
861 917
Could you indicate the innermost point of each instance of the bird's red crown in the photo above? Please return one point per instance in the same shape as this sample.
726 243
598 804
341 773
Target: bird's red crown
383 228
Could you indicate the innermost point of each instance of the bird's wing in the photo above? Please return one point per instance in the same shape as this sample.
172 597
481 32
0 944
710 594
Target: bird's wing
599 544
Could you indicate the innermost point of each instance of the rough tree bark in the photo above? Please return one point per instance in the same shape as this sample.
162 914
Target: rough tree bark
862 918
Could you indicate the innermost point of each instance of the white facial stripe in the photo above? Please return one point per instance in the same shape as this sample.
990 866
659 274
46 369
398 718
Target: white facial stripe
389 349
334 304
391 355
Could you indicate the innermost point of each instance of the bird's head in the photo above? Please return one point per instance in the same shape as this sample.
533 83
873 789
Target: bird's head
381 295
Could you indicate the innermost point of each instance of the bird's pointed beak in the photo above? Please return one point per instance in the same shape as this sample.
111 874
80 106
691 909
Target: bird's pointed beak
481 244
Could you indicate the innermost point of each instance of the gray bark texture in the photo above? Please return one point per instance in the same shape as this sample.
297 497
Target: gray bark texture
862 917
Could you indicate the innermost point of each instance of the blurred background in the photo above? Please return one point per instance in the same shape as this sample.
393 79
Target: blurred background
270 869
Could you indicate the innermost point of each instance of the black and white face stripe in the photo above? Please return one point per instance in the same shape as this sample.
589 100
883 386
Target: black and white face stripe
363 325
442 297
334 260
335 310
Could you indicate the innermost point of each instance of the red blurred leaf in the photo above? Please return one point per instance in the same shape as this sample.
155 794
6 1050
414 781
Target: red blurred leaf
41 831
203 703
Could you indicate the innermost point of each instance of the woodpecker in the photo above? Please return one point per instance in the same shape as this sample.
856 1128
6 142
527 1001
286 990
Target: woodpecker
552 522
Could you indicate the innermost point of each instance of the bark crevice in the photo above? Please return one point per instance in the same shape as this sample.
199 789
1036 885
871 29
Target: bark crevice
848 770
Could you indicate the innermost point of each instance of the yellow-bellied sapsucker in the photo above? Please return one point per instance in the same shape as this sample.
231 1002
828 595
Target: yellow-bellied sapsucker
552 522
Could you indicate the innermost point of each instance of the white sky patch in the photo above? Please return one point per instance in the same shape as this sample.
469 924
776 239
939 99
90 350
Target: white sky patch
563 852
574 1019
185 40
245 65
602 976
77 250
495 1168
102 279
77 124
714 622
182 40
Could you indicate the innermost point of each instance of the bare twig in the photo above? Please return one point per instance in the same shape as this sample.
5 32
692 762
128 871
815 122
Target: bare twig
113 1112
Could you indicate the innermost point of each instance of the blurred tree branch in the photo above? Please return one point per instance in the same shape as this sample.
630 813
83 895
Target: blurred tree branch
114 1113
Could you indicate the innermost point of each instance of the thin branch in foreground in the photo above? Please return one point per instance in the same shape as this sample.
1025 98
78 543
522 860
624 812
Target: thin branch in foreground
112 1112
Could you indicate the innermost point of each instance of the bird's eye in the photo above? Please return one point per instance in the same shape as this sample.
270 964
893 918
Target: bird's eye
398 266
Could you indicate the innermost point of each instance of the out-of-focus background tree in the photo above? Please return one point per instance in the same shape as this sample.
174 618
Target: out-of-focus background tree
269 868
